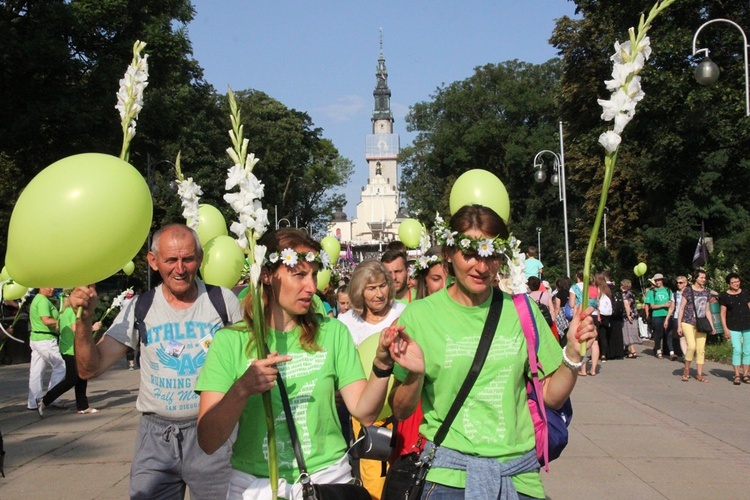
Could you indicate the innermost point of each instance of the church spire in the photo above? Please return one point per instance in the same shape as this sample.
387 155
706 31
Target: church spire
382 93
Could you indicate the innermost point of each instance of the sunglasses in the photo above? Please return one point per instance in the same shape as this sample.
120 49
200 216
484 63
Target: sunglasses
680 282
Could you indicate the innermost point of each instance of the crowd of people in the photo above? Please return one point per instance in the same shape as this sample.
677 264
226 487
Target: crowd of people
673 320
202 382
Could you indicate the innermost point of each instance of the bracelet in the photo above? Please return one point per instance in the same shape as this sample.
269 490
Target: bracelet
380 373
573 366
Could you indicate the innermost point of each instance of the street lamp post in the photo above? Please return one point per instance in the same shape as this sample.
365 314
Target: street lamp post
150 180
707 72
539 242
557 179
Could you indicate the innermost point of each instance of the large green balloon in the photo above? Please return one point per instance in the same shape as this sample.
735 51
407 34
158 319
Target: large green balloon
409 232
223 262
211 223
366 351
324 278
635 271
128 268
332 247
77 221
480 187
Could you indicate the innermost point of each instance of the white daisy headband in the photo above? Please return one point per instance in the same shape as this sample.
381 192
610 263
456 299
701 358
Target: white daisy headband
487 247
422 264
290 258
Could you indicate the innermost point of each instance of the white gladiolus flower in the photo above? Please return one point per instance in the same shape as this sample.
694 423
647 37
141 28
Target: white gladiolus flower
610 140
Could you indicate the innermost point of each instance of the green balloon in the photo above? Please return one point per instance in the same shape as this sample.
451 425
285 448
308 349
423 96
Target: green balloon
366 351
642 268
324 278
128 268
211 223
223 262
636 272
409 232
14 291
332 247
4 276
104 208
480 187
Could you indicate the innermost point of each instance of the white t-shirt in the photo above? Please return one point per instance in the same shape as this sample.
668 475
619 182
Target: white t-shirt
360 329
174 353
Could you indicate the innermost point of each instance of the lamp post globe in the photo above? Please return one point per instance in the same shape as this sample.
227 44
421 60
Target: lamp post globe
540 176
554 179
707 72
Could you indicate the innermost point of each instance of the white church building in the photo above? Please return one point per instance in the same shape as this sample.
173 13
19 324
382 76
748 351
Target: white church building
378 211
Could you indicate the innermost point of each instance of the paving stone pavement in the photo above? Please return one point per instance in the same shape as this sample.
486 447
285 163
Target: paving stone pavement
638 431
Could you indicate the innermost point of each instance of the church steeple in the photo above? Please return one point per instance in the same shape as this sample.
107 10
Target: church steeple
382 93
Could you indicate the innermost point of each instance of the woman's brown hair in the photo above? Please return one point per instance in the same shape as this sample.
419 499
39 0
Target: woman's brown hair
276 241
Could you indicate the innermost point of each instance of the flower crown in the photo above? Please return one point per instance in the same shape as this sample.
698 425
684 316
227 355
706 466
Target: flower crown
289 257
487 247
422 264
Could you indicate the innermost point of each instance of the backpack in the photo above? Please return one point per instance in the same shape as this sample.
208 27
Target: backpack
144 301
550 425
544 310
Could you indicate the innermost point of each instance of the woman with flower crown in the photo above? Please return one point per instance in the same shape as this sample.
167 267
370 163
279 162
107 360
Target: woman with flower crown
315 356
493 428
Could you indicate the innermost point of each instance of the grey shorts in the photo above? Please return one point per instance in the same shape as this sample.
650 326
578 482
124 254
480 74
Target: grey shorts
168 460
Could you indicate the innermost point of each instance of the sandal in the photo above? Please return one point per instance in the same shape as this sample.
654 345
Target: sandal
746 379
701 378
592 373
87 411
686 376
737 380
631 355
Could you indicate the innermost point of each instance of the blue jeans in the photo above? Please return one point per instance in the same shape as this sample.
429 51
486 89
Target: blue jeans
434 491
740 347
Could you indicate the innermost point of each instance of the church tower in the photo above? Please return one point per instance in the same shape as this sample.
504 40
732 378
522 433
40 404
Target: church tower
378 215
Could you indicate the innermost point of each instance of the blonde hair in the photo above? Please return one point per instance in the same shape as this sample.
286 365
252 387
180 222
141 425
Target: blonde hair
368 272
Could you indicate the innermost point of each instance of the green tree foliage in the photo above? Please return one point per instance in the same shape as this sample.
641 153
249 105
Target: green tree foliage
297 165
60 66
497 119
684 157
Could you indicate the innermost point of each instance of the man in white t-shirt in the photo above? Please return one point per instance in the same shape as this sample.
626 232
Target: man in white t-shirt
178 329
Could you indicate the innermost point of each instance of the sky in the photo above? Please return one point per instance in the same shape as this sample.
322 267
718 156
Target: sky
320 56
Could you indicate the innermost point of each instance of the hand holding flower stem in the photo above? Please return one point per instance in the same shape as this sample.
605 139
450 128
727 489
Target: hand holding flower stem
629 59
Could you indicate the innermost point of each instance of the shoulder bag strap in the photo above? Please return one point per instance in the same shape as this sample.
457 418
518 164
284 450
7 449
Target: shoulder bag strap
531 333
307 486
217 299
142 305
490 325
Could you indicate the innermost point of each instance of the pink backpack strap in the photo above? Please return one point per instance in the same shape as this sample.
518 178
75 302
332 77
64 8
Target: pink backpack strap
531 333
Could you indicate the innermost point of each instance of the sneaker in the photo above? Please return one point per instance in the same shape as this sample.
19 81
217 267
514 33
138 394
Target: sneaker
131 368
659 354
40 407
672 356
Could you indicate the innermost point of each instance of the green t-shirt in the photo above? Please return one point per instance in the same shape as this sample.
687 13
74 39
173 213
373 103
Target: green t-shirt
40 307
67 336
495 420
659 296
311 379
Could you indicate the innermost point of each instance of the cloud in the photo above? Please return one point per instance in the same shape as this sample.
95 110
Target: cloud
344 109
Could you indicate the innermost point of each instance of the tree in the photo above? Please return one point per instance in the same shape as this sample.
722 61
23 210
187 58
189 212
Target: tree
296 165
497 119
684 156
